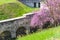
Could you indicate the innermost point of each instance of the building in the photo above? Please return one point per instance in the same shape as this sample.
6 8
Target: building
31 3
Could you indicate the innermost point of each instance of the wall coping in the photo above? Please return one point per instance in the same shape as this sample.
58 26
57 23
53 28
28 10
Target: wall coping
16 18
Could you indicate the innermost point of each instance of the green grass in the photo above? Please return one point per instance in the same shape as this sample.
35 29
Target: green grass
13 8
7 1
46 34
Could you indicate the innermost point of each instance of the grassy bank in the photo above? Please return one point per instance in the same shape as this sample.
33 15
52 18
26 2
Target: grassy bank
47 34
7 1
13 8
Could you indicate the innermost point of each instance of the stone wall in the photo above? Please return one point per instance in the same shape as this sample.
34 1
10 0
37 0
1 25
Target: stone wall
13 24
30 3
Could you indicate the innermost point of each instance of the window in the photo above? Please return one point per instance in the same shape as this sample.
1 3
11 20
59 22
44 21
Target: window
34 4
38 4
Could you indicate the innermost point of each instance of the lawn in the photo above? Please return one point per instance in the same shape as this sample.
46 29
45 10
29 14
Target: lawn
13 8
7 1
46 34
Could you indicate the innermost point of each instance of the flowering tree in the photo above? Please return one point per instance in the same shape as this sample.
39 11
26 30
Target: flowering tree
41 16
49 11
54 6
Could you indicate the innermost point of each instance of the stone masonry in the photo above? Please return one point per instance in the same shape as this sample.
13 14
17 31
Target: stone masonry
13 24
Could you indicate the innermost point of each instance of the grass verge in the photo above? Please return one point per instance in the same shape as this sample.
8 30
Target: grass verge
46 34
